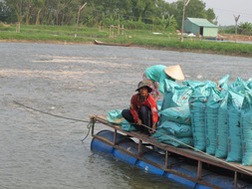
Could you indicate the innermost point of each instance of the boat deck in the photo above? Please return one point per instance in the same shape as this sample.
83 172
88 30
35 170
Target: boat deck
200 157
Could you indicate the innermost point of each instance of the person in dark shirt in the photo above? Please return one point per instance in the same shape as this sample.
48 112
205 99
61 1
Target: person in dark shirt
143 112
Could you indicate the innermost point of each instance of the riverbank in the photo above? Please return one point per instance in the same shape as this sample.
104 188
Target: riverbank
238 54
201 51
137 38
239 38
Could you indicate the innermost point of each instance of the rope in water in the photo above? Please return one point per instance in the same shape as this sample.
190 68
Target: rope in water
54 115
58 116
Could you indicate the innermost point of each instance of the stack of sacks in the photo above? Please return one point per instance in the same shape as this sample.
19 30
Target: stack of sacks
240 122
222 127
198 102
175 124
211 120
204 111
246 128
195 113
205 104
213 116
234 122
234 104
191 111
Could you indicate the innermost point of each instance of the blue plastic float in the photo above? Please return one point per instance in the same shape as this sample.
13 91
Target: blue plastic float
150 158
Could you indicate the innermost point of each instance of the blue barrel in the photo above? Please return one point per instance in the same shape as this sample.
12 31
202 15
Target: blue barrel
181 180
123 141
182 167
200 186
154 157
97 145
131 147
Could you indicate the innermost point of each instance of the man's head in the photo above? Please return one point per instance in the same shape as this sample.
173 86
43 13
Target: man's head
144 87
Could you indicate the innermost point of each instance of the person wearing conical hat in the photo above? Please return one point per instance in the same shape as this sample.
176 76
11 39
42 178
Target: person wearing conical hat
159 73
143 112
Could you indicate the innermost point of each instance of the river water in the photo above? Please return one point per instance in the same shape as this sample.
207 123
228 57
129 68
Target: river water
75 81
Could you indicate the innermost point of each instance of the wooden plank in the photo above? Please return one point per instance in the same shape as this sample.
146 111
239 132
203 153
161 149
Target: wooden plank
199 170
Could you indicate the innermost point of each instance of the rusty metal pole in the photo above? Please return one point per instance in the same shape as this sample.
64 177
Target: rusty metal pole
183 20
185 3
236 20
78 18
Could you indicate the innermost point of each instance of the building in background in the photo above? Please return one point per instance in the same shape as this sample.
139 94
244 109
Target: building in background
201 27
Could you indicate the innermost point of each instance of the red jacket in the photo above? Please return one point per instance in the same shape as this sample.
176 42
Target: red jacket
135 107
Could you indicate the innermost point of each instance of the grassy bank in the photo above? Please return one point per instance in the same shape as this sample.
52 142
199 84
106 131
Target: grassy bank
149 39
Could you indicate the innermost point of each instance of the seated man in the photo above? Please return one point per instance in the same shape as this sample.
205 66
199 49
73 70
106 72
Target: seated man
143 112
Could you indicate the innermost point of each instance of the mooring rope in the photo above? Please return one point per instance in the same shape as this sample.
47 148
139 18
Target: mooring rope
54 115
58 116
89 126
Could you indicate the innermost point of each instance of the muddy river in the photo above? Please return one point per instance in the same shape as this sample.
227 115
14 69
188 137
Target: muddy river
38 150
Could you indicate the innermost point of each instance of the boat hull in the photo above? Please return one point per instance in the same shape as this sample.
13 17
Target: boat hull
111 44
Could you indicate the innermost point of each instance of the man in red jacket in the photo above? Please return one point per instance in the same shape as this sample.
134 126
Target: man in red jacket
143 112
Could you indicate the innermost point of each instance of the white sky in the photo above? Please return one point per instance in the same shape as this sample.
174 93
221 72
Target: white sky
227 10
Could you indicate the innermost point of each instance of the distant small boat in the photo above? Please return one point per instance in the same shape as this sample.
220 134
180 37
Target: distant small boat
111 44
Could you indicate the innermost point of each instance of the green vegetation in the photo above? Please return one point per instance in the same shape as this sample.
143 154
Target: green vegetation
94 13
133 14
145 38
148 23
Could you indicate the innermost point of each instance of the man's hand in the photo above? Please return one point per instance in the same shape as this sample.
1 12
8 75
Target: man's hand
153 129
139 122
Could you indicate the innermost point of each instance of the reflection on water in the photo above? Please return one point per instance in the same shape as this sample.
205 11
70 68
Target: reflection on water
76 81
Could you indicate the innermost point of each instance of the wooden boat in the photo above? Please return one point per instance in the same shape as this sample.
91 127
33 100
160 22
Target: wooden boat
189 167
111 44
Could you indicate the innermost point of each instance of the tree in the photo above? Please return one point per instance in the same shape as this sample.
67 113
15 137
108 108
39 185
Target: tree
16 6
210 15
245 28
27 5
142 9
97 12
5 13
39 6
195 9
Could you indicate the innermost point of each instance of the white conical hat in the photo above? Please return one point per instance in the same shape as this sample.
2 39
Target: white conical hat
174 72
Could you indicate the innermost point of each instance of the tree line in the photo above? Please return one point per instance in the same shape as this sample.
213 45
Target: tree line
131 13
